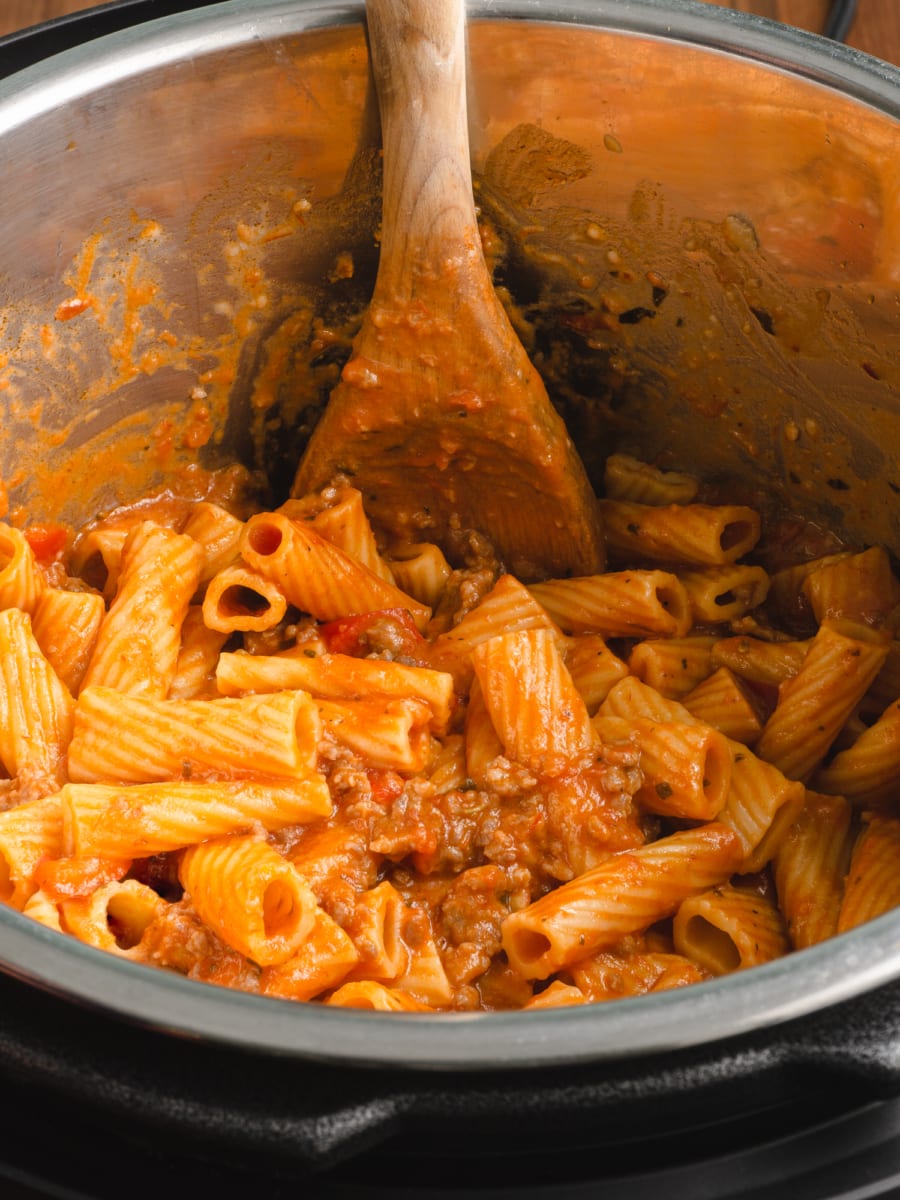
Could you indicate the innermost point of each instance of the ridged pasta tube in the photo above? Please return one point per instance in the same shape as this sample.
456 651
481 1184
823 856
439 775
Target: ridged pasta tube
316 576
375 997
137 646
217 532
758 661
726 592
21 581
704 534
376 927
138 820
238 599
842 662
134 739
36 708
29 833
762 803
618 604
65 626
421 570
868 771
673 666
114 916
339 677
627 478
390 734
861 588
686 768
810 865
625 894
321 962
729 928
873 881
725 703
338 515
523 678
250 896
195 670
508 607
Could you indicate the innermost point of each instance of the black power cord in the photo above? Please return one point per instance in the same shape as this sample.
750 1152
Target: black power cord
840 19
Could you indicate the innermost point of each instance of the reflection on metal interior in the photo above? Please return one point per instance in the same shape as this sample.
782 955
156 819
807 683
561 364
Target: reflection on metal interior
699 247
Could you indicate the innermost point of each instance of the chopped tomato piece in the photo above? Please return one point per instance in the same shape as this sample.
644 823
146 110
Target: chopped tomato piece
385 628
46 541
386 785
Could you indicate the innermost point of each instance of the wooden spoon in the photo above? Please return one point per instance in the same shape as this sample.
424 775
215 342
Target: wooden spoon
440 419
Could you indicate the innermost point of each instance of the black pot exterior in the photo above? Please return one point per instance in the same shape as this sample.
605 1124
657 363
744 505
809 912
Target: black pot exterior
301 1117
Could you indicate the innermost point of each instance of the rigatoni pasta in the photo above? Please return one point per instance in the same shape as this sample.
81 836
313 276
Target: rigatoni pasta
132 739
629 892
338 515
810 867
198 657
36 711
250 895
374 997
65 625
523 680
721 593
673 666
261 748
725 702
686 768
618 604
315 575
30 833
703 534
139 638
123 822
814 704
872 886
114 917
729 929
241 600
627 478
21 581
867 772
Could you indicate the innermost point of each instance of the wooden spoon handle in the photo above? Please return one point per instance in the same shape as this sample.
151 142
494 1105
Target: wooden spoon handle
418 53
440 419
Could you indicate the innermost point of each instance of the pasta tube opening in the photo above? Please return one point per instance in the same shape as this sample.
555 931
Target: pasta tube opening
740 534
710 946
253 899
240 599
264 537
671 597
114 917
127 916
717 773
529 945
279 909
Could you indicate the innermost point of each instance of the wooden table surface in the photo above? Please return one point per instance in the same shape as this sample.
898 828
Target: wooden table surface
876 28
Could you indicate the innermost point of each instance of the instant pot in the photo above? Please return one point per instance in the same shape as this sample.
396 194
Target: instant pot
701 225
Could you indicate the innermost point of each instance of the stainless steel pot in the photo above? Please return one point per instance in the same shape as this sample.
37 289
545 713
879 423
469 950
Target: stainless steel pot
719 195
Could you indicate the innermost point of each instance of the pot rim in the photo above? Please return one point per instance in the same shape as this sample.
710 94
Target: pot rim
72 73
800 984
805 982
